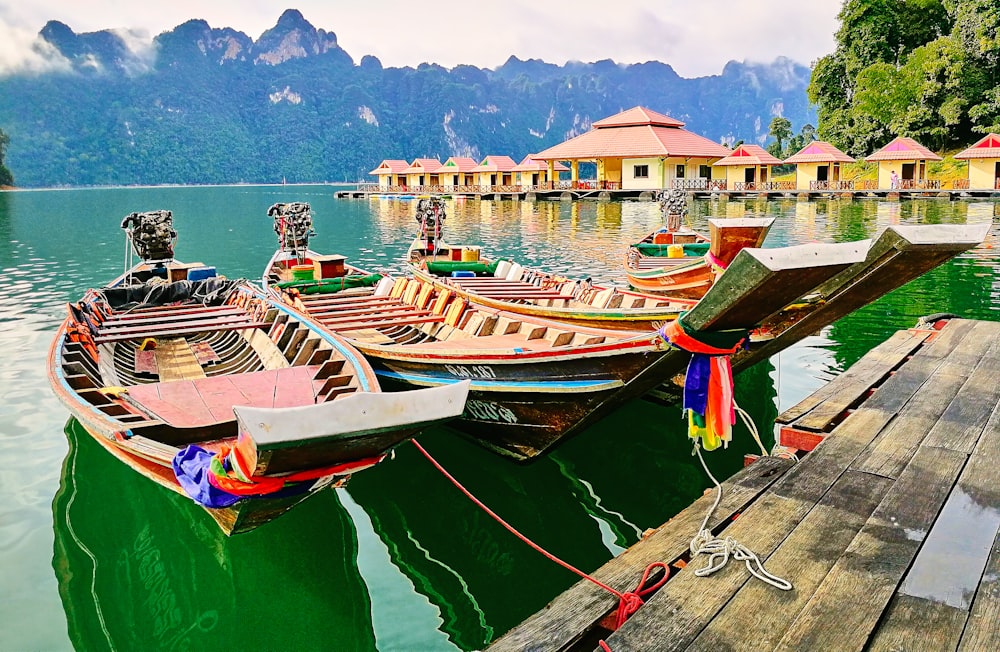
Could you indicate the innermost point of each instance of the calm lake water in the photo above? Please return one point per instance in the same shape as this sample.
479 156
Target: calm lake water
94 557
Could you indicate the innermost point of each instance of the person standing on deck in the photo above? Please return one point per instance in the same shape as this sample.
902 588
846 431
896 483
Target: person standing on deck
894 180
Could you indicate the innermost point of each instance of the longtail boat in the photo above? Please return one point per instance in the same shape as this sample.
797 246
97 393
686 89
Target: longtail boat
684 263
537 381
211 388
504 284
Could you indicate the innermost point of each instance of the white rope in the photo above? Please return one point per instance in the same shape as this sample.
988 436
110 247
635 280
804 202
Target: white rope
719 551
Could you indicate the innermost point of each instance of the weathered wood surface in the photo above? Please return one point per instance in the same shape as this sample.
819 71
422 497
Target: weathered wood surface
559 624
889 530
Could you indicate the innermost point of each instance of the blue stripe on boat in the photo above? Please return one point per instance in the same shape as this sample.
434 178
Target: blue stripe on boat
506 385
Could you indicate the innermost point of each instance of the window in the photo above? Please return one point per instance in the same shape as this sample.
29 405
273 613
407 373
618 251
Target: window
640 171
680 172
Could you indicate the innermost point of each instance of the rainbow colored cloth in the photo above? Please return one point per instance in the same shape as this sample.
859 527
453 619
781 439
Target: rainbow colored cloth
708 385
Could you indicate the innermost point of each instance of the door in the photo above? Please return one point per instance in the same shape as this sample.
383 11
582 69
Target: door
749 175
996 175
823 173
908 170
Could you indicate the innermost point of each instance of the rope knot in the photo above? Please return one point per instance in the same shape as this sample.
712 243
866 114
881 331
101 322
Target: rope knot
627 605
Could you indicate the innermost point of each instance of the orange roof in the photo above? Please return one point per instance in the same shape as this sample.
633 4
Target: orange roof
390 166
529 164
636 133
428 165
456 164
496 164
903 149
819 151
749 155
638 116
987 147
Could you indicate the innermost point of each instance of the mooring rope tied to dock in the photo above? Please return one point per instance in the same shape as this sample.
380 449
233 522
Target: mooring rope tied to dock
628 601
720 550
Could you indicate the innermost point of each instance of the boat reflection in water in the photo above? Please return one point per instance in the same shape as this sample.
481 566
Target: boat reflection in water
140 567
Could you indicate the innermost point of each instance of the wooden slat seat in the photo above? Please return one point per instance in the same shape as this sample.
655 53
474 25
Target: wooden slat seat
127 318
406 321
354 312
373 318
117 325
186 329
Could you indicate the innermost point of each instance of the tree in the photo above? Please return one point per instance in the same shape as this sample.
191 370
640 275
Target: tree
781 129
6 178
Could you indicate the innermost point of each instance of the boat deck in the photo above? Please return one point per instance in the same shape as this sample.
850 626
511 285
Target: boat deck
887 530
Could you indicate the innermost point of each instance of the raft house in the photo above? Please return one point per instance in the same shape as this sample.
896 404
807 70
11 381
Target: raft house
875 526
984 163
638 152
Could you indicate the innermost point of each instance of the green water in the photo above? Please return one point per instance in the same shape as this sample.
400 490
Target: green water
95 557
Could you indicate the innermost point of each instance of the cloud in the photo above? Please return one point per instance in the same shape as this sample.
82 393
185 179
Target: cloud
22 51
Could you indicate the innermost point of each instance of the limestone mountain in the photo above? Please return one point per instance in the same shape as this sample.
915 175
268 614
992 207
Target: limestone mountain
211 105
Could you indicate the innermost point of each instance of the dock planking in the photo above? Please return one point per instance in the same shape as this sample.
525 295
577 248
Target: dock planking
889 530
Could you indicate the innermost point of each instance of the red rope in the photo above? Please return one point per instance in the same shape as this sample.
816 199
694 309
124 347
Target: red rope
628 603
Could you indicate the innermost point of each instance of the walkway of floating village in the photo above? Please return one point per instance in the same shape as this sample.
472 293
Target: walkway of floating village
887 530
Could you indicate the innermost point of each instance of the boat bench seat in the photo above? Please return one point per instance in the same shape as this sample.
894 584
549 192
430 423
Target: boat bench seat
154 330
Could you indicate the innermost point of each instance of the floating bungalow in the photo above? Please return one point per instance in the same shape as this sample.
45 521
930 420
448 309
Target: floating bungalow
638 149
391 174
908 159
984 163
533 173
817 167
422 172
456 172
495 171
749 168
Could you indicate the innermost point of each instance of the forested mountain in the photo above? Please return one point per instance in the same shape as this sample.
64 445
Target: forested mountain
208 105
928 69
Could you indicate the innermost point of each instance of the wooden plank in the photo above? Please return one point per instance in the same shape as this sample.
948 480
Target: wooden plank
220 394
193 314
294 387
145 362
891 451
180 331
981 631
257 388
805 557
204 352
383 324
360 312
575 611
333 318
176 403
846 607
914 624
176 361
830 400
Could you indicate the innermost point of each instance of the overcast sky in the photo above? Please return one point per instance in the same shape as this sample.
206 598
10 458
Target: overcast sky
696 37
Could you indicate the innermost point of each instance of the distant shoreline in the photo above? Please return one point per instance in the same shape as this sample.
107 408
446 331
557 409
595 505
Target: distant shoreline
182 185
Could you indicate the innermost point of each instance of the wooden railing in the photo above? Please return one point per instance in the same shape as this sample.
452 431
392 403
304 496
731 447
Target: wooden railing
763 186
831 185
960 184
920 184
698 184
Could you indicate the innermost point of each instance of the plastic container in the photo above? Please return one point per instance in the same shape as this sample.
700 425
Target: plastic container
303 272
201 273
470 254
675 251
662 237
456 254
463 273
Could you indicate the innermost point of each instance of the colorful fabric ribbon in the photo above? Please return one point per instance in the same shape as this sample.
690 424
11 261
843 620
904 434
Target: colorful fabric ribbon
214 480
708 385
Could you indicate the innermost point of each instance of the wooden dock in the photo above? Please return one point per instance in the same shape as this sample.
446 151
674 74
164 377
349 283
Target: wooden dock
887 530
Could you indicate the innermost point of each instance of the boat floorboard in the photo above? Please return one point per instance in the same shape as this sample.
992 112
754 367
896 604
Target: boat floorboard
889 530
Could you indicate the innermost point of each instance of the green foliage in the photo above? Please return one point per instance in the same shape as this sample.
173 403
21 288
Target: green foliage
929 69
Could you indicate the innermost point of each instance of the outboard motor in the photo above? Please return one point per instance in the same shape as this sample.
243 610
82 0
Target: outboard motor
294 226
152 234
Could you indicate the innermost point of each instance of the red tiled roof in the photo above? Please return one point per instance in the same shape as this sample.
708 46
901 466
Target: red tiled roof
530 164
987 147
903 149
638 116
390 166
819 151
427 165
749 155
456 164
496 164
640 141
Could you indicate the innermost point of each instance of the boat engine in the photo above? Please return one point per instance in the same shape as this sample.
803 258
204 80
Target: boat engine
293 225
430 216
152 234
673 205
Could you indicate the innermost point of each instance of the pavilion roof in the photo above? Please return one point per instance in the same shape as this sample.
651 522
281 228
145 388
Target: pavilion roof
819 151
987 147
636 133
496 164
457 164
391 166
428 165
529 164
749 155
903 148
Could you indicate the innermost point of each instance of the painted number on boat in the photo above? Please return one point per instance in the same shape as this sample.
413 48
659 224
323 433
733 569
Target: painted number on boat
489 411
475 371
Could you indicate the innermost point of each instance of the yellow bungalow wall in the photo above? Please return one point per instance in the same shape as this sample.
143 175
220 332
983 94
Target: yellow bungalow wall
654 180
806 173
981 172
885 169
